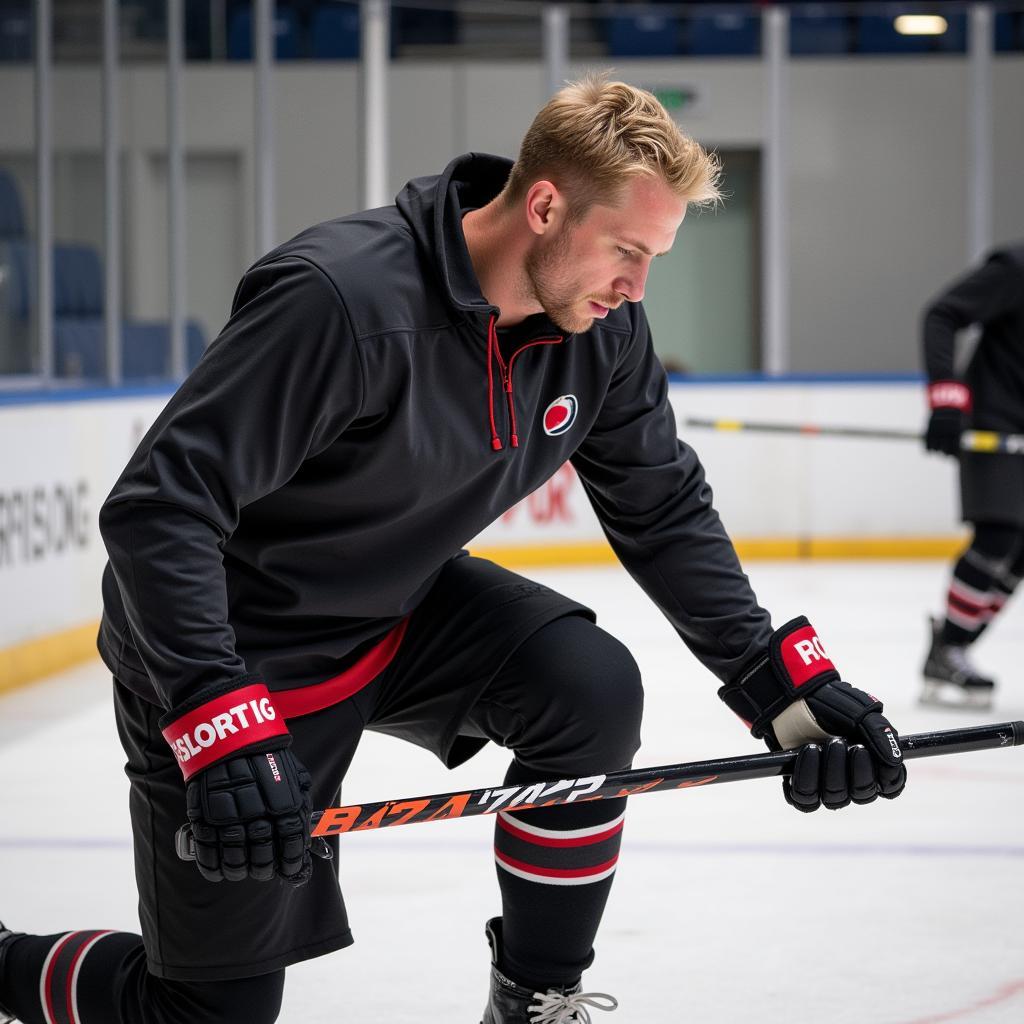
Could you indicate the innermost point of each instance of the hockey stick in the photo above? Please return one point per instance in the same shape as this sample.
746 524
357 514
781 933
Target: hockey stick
631 782
987 441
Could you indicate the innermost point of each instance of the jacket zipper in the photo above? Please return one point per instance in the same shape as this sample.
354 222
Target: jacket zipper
506 379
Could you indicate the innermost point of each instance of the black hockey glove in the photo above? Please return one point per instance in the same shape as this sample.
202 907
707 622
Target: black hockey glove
950 401
793 697
247 795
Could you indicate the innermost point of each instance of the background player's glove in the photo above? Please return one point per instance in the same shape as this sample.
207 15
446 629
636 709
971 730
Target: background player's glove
949 401
247 795
793 697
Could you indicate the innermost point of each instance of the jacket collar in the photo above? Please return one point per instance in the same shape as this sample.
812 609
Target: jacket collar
434 207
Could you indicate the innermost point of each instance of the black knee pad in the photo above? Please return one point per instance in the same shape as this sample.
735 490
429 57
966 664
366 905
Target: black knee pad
576 699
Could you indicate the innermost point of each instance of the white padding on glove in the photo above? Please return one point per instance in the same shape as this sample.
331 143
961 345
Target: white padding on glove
797 726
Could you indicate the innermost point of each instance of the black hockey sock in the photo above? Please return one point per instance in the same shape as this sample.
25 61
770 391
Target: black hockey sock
1005 585
555 870
67 979
981 583
100 977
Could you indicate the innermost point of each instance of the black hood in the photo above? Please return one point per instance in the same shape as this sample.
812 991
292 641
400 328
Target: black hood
434 207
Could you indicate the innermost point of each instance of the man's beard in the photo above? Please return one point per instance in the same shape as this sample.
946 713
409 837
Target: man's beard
549 284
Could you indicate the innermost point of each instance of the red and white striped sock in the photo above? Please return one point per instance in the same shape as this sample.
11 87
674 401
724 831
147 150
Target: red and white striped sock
555 869
43 976
968 611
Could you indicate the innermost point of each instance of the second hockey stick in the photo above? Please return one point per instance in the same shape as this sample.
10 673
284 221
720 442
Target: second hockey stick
985 441
631 782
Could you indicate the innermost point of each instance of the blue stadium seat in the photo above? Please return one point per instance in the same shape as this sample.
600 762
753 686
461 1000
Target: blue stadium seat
818 32
715 33
418 27
334 32
79 347
17 345
79 334
16 31
77 281
954 39
12 215
643 35
146 348
287 35
16 261
79 330
1009 32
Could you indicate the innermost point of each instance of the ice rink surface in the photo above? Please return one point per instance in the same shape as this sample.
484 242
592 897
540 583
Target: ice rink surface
729 907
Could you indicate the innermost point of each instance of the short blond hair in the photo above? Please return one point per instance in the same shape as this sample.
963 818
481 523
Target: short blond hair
594 136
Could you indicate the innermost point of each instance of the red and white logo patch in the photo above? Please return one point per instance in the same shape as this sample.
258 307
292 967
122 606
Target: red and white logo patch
803 656
949 394
560 415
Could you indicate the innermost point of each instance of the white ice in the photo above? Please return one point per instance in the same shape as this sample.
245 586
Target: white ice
728 906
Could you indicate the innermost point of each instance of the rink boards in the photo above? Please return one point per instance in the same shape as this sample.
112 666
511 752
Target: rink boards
779 496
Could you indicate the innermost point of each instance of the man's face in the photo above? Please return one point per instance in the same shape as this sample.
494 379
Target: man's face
577 272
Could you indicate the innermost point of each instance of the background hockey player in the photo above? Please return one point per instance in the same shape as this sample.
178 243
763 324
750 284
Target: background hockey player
286 572
989 395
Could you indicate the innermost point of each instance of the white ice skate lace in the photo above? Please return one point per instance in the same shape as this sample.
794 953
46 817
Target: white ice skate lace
956 656
560 1008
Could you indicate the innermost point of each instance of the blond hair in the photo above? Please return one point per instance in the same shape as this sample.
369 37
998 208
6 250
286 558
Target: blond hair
594 136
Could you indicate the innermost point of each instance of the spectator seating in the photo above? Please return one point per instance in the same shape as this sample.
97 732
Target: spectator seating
411 26
642 35
334 32
1009 32
79 331
814 31
146 349
12 216
723 33
876 33
288 44
16 30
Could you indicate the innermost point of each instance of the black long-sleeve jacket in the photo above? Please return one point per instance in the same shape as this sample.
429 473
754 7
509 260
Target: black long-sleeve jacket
334 448
992 295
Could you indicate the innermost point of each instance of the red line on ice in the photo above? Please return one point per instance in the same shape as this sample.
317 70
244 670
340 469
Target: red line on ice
1007 991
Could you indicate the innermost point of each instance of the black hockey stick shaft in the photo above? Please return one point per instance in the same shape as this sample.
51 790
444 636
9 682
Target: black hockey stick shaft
986 441
631 782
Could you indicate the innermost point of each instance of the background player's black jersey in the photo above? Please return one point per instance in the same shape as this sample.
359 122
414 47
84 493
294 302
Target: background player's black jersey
992 296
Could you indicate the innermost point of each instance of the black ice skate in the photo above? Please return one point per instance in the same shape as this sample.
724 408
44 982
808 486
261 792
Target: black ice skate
6 1017
950 680
512 1004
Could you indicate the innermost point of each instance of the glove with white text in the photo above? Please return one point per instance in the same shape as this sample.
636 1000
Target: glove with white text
793 697
247 795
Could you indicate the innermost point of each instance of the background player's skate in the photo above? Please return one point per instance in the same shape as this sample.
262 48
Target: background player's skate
950 679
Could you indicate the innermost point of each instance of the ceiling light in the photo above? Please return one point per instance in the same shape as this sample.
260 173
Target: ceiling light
920 25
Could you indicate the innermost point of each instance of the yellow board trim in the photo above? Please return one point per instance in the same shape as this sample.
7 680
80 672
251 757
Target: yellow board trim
748 548
35 659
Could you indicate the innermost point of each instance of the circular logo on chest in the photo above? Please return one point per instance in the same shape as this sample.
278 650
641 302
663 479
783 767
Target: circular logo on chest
560 415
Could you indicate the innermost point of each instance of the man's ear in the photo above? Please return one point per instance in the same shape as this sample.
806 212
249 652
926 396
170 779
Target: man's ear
545 207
